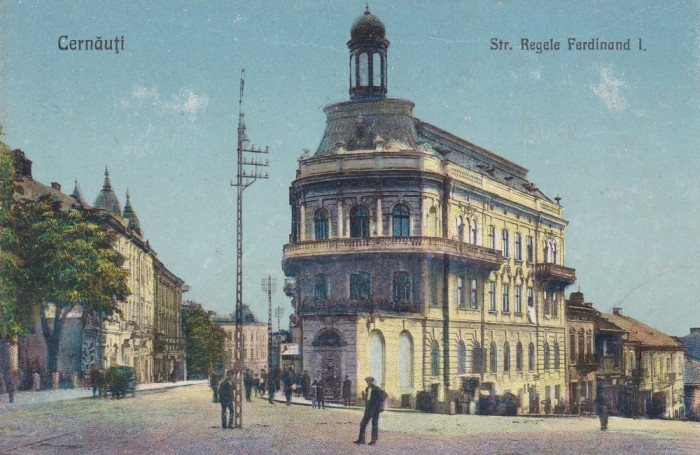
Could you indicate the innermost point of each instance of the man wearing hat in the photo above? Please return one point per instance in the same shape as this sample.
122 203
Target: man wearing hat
374 404
226 391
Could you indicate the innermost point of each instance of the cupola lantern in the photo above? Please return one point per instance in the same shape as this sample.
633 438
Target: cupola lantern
368 47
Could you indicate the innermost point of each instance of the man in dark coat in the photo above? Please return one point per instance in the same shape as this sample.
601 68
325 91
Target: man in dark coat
214 384
226 390
306 384
248 384
288 382
374 404
347 392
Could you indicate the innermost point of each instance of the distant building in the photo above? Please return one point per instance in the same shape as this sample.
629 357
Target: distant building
691 373
150 313
651 365
581 363
254 340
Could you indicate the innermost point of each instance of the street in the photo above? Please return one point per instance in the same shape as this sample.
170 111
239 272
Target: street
184 421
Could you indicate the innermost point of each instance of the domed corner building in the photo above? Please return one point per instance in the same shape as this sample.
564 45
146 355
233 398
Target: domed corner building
422 259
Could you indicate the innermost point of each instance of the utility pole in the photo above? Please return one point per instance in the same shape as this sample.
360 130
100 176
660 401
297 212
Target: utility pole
278 314
249 162
268 285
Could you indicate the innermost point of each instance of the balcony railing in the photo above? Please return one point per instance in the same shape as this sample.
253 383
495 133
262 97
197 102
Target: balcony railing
355 306
480 255
609 365
586 364
554 275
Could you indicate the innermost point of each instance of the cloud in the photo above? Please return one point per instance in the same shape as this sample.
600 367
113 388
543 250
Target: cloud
186 103
609 90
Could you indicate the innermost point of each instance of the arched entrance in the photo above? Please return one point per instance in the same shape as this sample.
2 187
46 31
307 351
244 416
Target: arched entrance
328 360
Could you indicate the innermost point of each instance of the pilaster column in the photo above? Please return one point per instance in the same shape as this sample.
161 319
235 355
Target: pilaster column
380 226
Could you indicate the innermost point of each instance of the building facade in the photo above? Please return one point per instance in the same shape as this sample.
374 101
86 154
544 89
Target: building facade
420 258
581 362
255 340
646 369
131 338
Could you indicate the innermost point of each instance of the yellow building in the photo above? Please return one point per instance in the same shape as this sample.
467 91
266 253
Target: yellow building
254 340
420 258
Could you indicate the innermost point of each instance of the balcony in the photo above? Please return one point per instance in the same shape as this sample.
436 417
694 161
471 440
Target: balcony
586 364
554 275
609 365
478 255
290 286
356 306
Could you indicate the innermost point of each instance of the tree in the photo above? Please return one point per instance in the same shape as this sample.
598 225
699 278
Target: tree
65 260
204 341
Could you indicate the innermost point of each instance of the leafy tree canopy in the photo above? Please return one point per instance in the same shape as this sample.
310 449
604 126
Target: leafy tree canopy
204 341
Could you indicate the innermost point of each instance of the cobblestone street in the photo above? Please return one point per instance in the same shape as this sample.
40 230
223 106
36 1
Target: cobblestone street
184 420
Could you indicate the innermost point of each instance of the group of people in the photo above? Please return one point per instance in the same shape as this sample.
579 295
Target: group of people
373 395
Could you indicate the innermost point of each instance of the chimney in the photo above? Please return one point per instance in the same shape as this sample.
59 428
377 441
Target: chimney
617 311
56 186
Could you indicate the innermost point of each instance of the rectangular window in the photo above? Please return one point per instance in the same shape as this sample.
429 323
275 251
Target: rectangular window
433 288
555 305
402 287
360 285
506 298
530 297
473 296
530 250
461 298
492 237
492 296
505 249
518 247
321 286
518 299
545 298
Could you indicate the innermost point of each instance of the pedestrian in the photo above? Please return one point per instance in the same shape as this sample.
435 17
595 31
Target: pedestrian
271 387
248 383
318 395
306 384
288 382
214 384
374 404
256 385
36 381
95 380
263 381
226 391
603 414
347 393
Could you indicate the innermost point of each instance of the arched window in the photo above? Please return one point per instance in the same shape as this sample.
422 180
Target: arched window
518 247
359 221
461 358
556 355
477 358
506 357
581 345
405 360
519 356
328 338
493 358
473 232
460 229
376 70
531 357
321 224
364 73
400 221
546 355
376 356
435 359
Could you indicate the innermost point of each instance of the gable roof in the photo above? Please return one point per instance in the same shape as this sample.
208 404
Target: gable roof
640 333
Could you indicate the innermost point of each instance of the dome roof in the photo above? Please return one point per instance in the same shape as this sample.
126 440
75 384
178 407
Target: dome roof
367 26
107 200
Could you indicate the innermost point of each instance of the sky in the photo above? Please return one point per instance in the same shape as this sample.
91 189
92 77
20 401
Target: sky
614 133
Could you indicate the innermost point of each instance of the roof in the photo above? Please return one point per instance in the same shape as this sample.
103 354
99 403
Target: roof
692 344
367 27
248 317
640 333
130 215
691 372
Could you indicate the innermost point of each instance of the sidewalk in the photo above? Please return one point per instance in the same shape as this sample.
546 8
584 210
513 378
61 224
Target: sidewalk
31 398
